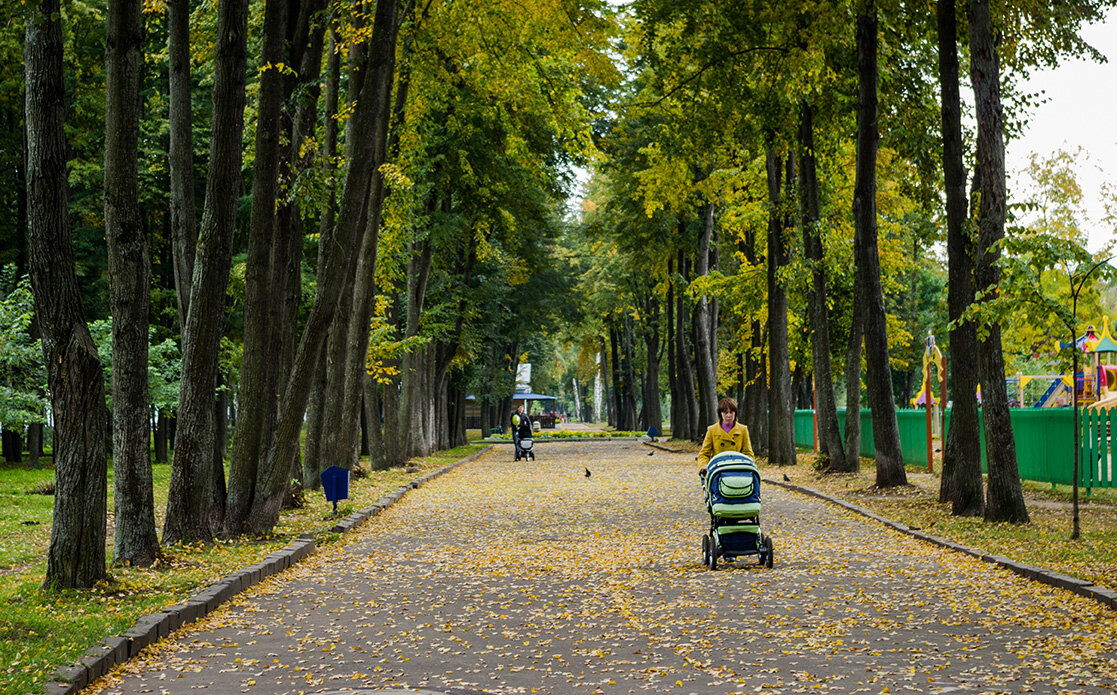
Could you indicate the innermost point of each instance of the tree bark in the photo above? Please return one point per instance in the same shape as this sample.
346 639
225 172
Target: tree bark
677 423
703 351
317 405
134 539
961 482
189 502
653 412
886 434
371 119
180 160
1004 496
830 436
781 432
683 362
411 395
259 377
76 555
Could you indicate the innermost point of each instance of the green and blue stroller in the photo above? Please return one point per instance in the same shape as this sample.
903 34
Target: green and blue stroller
732 486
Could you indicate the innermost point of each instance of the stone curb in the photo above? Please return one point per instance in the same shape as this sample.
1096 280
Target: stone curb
654 445
149 629
1103 595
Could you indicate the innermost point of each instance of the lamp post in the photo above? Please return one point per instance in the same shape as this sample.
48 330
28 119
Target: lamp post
1074 292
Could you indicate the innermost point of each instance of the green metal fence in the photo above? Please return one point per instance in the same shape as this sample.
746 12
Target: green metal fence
1043 436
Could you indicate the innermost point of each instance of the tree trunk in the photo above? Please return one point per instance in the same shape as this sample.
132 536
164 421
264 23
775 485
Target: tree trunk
34 443
781 431
411 397
189 501
259 376
159 436
829 435
373 415
180 160
653 412
961 465
754 400
371 118
629 376
76 556
317 405
1005 496
886 434
703 344
11 445
689 404
134 539
677 421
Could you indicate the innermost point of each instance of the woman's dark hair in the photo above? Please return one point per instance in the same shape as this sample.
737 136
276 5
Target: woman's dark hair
727 405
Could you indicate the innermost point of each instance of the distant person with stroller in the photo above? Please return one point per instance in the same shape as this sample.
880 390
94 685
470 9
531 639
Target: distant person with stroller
726 435
521 428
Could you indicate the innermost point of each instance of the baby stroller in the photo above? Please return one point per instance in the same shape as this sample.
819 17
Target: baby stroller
523 441
527 449
732 486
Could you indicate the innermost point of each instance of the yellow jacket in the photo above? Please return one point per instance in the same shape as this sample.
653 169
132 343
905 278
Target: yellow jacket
718 440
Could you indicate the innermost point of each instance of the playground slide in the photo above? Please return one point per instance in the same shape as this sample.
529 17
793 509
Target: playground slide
1051 397
1105 403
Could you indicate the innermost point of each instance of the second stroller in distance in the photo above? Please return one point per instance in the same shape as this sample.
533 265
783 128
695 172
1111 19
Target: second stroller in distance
522 440
732 487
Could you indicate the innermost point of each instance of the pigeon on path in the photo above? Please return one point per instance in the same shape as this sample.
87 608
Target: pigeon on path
786 478
587 472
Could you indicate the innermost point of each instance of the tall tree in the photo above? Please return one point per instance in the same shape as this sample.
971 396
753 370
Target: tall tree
961 464
259 378
1005 496
830 438
135 540
886 434
180 159
781 432
76 556
705 333
189 501
370 127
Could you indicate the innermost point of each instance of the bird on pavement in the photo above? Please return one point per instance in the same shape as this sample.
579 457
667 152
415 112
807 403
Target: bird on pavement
587 472
786 478
651 453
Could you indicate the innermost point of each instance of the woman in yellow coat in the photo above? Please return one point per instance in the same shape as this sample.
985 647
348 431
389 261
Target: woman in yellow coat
726 435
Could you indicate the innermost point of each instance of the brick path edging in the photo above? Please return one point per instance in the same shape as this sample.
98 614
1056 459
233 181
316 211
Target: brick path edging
150 628
1101 594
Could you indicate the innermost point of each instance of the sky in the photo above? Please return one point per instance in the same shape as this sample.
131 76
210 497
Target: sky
1080 111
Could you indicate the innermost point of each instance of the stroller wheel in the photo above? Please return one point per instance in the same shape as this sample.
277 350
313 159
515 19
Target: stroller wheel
770 556
711 557
705 550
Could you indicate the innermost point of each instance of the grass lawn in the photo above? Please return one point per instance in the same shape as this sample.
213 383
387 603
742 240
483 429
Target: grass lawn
41 630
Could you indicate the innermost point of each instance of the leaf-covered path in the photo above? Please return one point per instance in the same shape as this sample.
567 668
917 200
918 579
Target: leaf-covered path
510 577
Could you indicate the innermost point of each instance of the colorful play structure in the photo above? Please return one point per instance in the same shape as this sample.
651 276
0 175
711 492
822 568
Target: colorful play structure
1042 429
1096 383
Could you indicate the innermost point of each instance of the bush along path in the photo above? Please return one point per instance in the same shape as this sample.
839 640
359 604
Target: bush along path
580 572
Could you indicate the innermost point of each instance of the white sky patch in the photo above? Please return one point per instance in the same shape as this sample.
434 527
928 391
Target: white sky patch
1080 111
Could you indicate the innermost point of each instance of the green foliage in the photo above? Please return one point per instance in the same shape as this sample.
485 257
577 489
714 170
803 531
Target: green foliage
23 375
1051 288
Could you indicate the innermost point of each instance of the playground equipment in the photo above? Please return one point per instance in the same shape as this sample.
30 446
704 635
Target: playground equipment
1095 385
933 356
1098 383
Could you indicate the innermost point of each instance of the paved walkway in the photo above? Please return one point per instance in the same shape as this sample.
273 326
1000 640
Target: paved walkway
507 577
